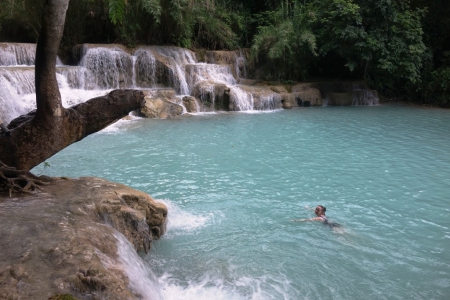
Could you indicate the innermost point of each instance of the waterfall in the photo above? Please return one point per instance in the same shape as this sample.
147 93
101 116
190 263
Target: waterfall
13 54
145 70
240 64
268 102
16 86
181 57
104 67
241 100
209 72
111 67
142 280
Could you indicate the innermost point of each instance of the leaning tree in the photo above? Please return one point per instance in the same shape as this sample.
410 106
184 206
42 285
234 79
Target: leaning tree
33 138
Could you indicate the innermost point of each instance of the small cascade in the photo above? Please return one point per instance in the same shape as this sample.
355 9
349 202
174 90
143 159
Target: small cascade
240 65
145 70
142 279
13 54
268 102
16 83
181 57
209 72
111 67
240 99
13 101
207 96
20 79
77 77
163 66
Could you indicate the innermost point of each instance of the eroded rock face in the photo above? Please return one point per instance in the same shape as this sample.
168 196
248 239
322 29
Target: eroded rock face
62 241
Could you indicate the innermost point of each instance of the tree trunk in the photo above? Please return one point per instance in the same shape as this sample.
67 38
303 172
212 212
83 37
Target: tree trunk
39 135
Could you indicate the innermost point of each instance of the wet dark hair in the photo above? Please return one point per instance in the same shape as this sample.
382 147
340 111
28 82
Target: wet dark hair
324 209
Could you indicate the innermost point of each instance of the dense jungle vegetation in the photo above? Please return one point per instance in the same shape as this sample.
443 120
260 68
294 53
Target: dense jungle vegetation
400 47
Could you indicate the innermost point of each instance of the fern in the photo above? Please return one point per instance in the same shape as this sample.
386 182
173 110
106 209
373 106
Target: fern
154 8
117 11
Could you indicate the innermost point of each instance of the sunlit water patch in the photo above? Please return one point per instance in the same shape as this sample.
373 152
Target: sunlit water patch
234 182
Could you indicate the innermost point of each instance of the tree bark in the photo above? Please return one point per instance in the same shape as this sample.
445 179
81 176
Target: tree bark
39 135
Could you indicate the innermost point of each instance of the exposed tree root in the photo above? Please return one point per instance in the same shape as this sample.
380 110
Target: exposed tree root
18 181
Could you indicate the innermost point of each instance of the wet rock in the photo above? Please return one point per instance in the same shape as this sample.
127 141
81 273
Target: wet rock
161 104
190 103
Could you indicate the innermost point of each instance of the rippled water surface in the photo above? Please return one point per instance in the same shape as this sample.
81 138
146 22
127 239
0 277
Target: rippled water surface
234 182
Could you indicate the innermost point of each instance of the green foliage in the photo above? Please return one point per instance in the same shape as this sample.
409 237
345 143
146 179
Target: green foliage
285 43
117 11
393 45
436 84
152 7
20 20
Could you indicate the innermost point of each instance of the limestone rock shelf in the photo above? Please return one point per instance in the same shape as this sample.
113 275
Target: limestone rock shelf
63 240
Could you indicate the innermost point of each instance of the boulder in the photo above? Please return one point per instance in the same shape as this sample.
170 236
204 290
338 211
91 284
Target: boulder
160 108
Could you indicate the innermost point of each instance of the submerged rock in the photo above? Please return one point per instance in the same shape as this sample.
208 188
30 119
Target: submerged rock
62 241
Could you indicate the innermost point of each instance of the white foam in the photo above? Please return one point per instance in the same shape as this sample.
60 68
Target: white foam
121 125
173 289
181 220
214 287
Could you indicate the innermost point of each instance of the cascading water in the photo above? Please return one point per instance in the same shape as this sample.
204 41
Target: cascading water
242 100
17 54
105 67
111 67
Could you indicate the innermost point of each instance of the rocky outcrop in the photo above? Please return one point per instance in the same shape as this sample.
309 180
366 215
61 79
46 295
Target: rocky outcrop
62 241
160 104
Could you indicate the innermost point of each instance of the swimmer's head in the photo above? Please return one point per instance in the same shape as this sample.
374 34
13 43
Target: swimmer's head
320 209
